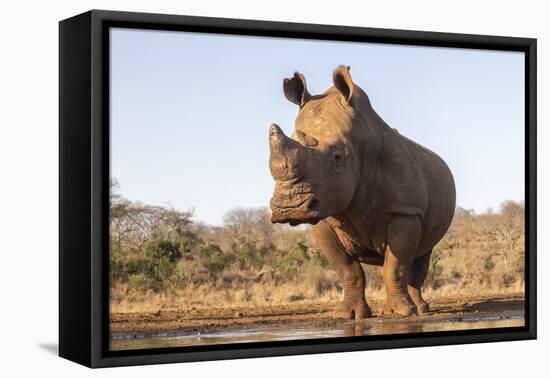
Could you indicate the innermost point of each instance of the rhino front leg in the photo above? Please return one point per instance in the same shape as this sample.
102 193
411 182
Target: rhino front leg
417 276
350 272
403 236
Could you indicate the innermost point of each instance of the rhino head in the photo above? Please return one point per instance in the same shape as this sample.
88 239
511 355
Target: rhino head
315 170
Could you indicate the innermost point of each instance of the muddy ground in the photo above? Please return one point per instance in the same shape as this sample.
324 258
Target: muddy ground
201 319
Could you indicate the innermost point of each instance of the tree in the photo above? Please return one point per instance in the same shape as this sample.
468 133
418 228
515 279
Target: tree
114 186
510 227
465 217
176 221
249 224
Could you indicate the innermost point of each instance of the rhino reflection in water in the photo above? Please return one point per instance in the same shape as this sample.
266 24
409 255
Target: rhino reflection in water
372 195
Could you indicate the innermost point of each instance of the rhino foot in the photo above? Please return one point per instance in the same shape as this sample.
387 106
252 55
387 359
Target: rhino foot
422 308
359 310
421 305
399 307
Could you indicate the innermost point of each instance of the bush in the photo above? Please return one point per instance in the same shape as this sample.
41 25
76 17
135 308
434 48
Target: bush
137 266
188 243
214 259
248 255
508 280
488 263
373 277
319 257
160 272
117 268
139 281
519 265
185 272
435 270
155 269
159 249
289 264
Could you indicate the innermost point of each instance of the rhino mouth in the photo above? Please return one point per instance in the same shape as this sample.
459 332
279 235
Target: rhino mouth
305 210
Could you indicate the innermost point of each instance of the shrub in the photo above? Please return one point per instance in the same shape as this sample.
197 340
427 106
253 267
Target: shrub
488 263
117 271
435 270
519 265
373 277
158 249
139 281
188 243
508 280
162 257
160 272
214 259
185 272
137 265
154 269
289 264
319 257
248 255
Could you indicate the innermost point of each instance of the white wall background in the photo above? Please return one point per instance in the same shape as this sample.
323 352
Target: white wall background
29 189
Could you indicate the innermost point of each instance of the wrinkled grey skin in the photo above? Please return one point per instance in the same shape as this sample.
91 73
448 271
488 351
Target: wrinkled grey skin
372 195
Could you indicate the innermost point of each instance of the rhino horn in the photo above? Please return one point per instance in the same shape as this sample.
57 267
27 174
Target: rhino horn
286 156
305 139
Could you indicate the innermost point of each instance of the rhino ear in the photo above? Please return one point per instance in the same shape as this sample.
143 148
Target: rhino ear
295 89
342 81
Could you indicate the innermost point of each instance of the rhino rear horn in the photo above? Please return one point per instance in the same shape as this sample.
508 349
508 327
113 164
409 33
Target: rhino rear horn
308 140
342 81
296 90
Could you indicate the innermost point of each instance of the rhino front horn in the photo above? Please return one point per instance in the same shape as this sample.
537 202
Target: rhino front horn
286 156
275 131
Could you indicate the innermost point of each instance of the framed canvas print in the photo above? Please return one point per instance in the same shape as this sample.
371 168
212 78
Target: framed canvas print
234 188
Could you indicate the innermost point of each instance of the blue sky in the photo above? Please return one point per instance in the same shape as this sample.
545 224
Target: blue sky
190 113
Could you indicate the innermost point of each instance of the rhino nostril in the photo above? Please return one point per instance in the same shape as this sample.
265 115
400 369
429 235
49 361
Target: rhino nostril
313 205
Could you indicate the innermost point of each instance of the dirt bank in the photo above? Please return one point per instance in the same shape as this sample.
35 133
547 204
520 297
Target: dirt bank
200 319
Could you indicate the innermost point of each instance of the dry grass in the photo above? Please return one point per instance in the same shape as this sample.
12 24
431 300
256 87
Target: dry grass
481 255
318 286
202 296
258 295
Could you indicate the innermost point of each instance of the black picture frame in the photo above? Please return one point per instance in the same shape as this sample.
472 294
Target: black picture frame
84 187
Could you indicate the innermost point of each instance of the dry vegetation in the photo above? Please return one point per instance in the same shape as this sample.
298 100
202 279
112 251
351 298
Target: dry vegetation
161 259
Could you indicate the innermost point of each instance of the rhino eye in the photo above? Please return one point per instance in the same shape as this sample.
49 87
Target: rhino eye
337 157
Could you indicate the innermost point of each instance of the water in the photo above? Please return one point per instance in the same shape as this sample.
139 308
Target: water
305 331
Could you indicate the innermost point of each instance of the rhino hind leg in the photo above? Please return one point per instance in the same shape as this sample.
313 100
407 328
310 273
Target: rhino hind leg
403 236
417 276
354 305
